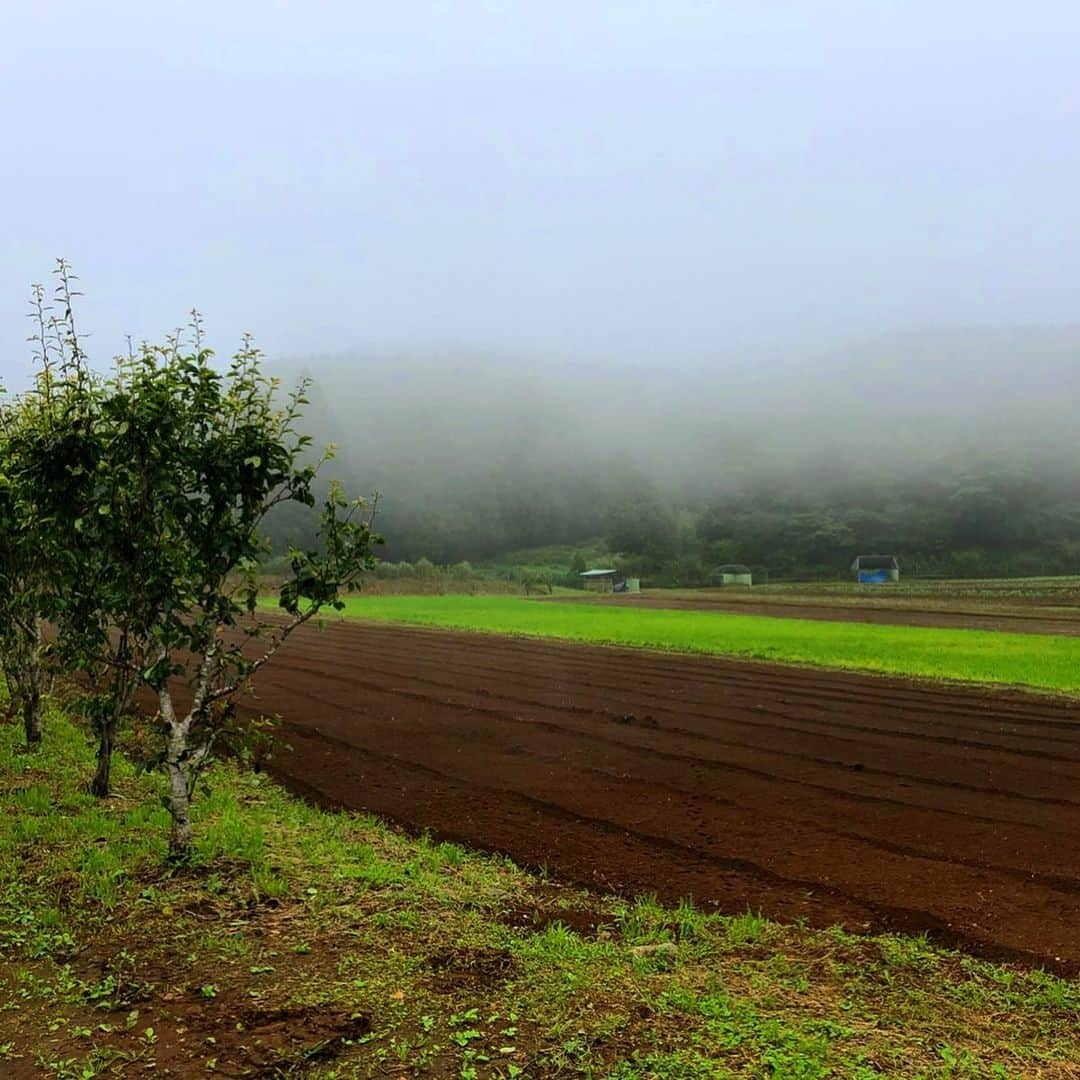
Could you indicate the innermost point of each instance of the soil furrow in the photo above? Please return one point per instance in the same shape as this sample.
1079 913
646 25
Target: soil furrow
803 794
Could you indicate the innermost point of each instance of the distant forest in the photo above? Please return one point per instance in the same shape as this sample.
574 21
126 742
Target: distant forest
972 524
946 451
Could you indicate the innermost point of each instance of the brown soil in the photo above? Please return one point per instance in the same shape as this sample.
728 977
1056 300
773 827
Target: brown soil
470 968
248 1041
876 803
161 1031
1015 622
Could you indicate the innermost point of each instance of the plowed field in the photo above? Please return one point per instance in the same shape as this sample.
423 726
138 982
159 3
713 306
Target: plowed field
900 612
876 803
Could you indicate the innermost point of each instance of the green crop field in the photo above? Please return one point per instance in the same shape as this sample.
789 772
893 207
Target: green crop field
1039 661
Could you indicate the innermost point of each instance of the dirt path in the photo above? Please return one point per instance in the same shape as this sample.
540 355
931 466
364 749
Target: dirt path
1016 621
872 802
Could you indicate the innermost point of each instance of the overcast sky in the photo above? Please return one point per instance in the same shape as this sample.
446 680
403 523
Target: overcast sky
655 183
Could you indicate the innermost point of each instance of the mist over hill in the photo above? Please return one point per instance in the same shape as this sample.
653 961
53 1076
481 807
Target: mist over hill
603 258
929 442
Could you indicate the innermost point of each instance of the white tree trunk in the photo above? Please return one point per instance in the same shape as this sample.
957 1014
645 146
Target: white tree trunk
179 810
176 759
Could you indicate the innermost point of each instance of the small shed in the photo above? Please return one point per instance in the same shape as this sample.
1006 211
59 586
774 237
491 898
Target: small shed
875 569
735 574
609 581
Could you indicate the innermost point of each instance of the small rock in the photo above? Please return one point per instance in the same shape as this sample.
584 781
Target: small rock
666 950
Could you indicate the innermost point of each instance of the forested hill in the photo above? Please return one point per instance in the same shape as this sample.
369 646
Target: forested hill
958 450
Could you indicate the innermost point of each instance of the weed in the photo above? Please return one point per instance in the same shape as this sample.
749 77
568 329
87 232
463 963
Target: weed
745 929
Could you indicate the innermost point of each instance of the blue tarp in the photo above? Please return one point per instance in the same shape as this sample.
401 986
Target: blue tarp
873 577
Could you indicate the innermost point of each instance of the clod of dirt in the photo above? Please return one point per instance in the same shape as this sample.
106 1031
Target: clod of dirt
470 968
636 721
254 1042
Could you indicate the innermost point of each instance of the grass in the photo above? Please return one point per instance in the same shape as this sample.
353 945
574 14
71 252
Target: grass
307 943
1038 661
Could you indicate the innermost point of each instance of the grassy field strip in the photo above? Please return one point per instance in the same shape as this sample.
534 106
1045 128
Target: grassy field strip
1040 661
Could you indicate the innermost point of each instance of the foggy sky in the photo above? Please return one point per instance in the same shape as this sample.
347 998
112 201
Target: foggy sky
650 184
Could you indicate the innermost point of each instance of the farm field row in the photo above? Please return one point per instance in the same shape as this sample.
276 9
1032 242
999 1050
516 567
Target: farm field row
1059 591
1043 662
826 796
883 606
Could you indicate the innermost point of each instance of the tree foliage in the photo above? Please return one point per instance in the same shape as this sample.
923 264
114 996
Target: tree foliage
36 567
157 479
26 580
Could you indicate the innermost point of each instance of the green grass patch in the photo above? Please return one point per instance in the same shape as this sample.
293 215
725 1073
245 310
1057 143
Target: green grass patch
1040 661
317 944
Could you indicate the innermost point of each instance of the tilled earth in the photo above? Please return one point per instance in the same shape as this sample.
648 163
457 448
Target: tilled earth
871 802
1017 619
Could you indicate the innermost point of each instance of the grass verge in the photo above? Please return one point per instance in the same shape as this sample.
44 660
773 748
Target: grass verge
308 943
1039 661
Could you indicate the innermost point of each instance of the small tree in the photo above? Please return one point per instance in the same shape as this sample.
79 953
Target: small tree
197 458
23 581
160 476
31 546
62 454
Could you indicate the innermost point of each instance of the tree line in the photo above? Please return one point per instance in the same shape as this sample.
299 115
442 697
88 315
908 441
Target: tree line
965 517
956 451
133 504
